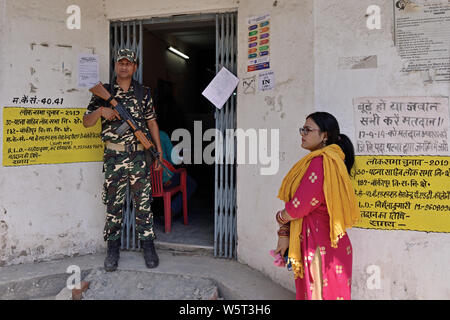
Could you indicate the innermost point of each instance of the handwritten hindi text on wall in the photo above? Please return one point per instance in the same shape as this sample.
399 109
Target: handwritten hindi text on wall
48 136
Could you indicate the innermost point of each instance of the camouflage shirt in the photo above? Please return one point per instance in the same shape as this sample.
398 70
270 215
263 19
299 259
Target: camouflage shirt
141 114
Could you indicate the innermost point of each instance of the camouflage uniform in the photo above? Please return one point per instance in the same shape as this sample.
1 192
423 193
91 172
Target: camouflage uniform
123 167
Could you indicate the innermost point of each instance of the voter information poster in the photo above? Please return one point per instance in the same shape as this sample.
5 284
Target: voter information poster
402 167
48 136
403 193
422 37
258 43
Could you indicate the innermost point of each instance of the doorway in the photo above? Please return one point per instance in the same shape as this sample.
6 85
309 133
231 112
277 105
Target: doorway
208 43
177 83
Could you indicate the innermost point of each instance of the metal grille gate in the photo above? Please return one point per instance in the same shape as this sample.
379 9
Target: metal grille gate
225 236
129 34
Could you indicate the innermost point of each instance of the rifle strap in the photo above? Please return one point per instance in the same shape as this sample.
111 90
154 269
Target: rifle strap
138 89
139 92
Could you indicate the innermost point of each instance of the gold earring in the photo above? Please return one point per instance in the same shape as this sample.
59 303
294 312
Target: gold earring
324 142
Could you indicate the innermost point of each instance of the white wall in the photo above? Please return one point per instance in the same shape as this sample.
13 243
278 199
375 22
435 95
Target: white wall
49 211
142 9
284 108
54 210
413 265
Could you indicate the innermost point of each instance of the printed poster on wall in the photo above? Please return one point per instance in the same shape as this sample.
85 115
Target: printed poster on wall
258 43
48 136
402 167
422 37
88 70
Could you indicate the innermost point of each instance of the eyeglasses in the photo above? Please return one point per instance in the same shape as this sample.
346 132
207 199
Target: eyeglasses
305 130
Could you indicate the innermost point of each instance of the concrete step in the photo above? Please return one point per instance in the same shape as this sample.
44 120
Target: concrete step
233 279
142 285
185 248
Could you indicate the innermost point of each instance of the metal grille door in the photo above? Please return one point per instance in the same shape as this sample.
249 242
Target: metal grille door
127 34
225 236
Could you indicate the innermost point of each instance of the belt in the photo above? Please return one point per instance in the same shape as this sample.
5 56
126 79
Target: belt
121 147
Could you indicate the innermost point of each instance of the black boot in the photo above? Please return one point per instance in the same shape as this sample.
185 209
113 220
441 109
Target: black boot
150 256
112 255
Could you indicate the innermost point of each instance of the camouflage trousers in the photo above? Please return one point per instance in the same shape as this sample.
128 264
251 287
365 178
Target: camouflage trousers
120 169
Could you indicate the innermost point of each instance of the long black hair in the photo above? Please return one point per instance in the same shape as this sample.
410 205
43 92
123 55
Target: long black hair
328 123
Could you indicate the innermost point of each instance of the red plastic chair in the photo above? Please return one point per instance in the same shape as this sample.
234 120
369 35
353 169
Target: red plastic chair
159 190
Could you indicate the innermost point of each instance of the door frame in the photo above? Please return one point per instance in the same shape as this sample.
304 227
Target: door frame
130 34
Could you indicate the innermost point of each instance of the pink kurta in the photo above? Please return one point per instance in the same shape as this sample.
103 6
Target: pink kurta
309 203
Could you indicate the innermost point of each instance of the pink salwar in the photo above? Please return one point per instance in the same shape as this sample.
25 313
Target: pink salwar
335 264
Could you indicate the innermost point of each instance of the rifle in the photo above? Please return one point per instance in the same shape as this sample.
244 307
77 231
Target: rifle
129 123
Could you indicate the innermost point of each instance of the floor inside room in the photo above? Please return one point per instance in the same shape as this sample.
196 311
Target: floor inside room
200 228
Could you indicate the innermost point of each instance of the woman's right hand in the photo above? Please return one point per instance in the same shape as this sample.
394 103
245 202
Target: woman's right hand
282 246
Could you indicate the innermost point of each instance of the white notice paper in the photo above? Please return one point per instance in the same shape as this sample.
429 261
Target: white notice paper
221 87
87 70
422 37
266 80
